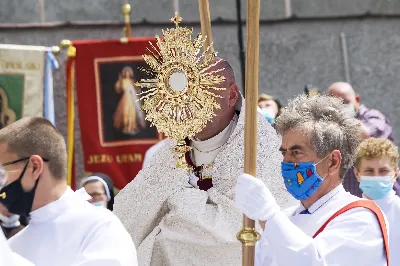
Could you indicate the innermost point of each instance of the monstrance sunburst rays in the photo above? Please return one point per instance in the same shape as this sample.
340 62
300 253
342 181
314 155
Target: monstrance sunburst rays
180 109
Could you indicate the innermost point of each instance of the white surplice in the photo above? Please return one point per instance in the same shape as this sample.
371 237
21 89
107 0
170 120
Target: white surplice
174 223
390 205
72 232
9 258
352 238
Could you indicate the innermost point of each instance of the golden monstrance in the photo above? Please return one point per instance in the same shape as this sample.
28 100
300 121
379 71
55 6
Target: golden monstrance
180 99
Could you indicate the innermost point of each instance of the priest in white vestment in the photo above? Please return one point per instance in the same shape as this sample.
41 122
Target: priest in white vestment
174 217
319 142
376 169
64 229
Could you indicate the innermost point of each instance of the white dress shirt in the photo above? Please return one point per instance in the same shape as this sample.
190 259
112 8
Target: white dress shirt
72 232
390 205
352 238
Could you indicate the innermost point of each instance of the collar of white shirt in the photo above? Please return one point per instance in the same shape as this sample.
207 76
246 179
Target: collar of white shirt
55 208
324 199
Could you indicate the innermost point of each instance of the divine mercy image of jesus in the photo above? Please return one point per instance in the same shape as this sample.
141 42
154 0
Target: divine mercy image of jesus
128 117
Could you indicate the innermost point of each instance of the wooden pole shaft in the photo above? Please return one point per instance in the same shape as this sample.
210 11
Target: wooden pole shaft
175 4
205 23
41 10
345 57
248 233
128 33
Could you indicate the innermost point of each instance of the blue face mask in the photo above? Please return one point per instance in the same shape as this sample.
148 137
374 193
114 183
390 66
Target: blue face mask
99 204
301 179
269 115
376 187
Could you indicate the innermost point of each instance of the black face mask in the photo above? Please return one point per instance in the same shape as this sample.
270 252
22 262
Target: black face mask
15 198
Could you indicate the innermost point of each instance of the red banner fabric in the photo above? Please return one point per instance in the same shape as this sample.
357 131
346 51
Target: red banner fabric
114 133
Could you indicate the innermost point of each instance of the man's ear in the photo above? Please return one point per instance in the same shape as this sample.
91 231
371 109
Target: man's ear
358 99
37 166
335 161
233 94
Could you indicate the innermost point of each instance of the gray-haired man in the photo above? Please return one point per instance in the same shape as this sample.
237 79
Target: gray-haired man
331 226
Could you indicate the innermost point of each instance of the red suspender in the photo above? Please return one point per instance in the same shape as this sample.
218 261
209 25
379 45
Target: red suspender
372 207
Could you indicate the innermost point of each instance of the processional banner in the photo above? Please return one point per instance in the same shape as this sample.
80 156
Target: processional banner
21 82
114 132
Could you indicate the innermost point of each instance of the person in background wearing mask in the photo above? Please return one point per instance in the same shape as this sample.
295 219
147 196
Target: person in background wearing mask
98 189
110 185
373 124
376 169
64 229
319 142
11 224
269 107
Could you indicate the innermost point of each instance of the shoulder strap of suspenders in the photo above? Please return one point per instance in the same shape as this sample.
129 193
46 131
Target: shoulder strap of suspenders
372 207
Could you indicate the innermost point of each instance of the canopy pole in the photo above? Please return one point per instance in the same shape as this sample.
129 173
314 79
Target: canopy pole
205 23
249 236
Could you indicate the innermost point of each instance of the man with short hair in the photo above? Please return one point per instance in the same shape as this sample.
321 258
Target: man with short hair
376 169
181 218
64 228
331 226
373 123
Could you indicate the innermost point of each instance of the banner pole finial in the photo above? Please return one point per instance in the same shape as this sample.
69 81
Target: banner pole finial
126 11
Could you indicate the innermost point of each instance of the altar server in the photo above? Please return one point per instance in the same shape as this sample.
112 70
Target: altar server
376 169
330 226
64 229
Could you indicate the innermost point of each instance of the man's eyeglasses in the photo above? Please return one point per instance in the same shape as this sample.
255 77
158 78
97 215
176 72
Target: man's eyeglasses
3 173
21 160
